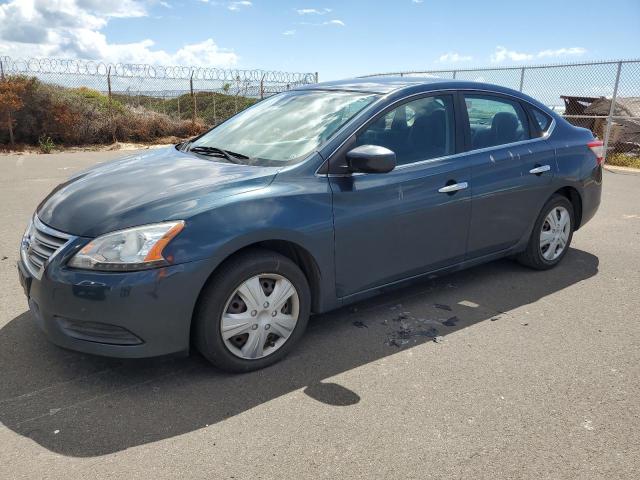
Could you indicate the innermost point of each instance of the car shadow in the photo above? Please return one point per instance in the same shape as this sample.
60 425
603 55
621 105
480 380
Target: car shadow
80 405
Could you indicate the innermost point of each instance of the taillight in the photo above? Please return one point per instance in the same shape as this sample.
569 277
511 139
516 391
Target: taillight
597 147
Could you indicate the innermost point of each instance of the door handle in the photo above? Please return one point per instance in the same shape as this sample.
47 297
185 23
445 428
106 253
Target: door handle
453 188
540 169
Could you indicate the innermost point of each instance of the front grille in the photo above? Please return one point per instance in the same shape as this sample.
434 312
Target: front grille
39 245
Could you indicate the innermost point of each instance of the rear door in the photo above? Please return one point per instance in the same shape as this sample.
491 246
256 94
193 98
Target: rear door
510 171
413 219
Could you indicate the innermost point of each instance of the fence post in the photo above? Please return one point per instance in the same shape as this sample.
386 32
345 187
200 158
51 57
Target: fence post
612 110
262 87
317 77
455 72
113 129
215 118
522 79
235 98
1 70
193 100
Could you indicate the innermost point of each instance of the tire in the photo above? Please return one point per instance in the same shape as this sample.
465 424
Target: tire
237 279
535 256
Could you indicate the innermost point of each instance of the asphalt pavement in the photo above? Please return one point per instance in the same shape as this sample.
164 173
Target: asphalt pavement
530 375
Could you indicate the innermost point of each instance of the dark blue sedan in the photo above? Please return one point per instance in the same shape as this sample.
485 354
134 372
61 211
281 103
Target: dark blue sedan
310 200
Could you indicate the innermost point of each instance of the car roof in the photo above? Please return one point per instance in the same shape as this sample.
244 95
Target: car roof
389 84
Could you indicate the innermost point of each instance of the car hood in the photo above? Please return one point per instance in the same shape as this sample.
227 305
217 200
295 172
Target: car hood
160 185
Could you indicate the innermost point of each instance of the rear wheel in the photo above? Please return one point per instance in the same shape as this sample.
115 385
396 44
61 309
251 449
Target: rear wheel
252 312
551 235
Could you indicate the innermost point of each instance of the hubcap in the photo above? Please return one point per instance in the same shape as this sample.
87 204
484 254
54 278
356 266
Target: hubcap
555 233
259 316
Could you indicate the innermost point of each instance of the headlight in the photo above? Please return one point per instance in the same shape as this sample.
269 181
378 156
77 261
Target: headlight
135 248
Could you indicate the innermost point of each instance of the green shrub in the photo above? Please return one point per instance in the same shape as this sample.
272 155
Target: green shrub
45 144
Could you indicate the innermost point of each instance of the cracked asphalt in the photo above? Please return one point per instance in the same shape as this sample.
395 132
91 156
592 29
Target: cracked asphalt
531 375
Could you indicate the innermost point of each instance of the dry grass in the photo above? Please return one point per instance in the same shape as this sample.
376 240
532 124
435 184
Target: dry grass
624 160
50 116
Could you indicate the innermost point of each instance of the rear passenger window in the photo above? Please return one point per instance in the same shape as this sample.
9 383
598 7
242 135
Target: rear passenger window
543 121
495 121
415 131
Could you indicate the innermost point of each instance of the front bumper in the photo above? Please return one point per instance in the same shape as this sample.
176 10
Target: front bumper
127 315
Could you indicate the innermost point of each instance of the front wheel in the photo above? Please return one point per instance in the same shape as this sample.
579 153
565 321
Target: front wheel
252 312
551 235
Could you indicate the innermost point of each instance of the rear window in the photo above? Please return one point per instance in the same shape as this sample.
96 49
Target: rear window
542 120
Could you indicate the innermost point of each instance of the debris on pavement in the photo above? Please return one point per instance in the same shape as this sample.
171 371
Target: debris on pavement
438 339
406 333
410 327
451 322
468 303
442 306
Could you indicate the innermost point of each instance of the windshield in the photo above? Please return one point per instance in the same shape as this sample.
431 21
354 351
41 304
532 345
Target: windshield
285 128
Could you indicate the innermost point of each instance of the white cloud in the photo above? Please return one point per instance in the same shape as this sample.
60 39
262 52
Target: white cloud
72 28
562 52
289 32
454 57
235 6
166 4
501 54
338 23
313 11
417 1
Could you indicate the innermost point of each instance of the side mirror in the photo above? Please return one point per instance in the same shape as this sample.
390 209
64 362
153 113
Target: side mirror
371 159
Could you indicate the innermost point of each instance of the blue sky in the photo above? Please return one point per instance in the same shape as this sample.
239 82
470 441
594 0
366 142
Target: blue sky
335 38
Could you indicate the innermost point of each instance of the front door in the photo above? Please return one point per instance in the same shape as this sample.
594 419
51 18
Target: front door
414 219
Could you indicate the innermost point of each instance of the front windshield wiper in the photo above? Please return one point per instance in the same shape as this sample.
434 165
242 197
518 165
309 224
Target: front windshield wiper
231 157
183 146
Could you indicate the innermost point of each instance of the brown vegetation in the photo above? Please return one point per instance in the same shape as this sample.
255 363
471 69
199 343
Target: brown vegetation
11 92
31 110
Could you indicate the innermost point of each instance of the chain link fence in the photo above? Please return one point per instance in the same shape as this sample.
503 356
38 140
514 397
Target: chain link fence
170 94
601 96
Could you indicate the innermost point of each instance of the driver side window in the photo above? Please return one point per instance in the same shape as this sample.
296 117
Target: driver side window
418 130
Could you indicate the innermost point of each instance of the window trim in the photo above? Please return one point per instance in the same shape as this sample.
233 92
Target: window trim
458 94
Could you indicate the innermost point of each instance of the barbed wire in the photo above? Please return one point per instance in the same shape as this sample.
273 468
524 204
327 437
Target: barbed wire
62 66
498 68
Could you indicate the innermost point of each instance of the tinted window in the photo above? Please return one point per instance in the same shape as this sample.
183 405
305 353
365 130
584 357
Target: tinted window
417 130
542 120
495 121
